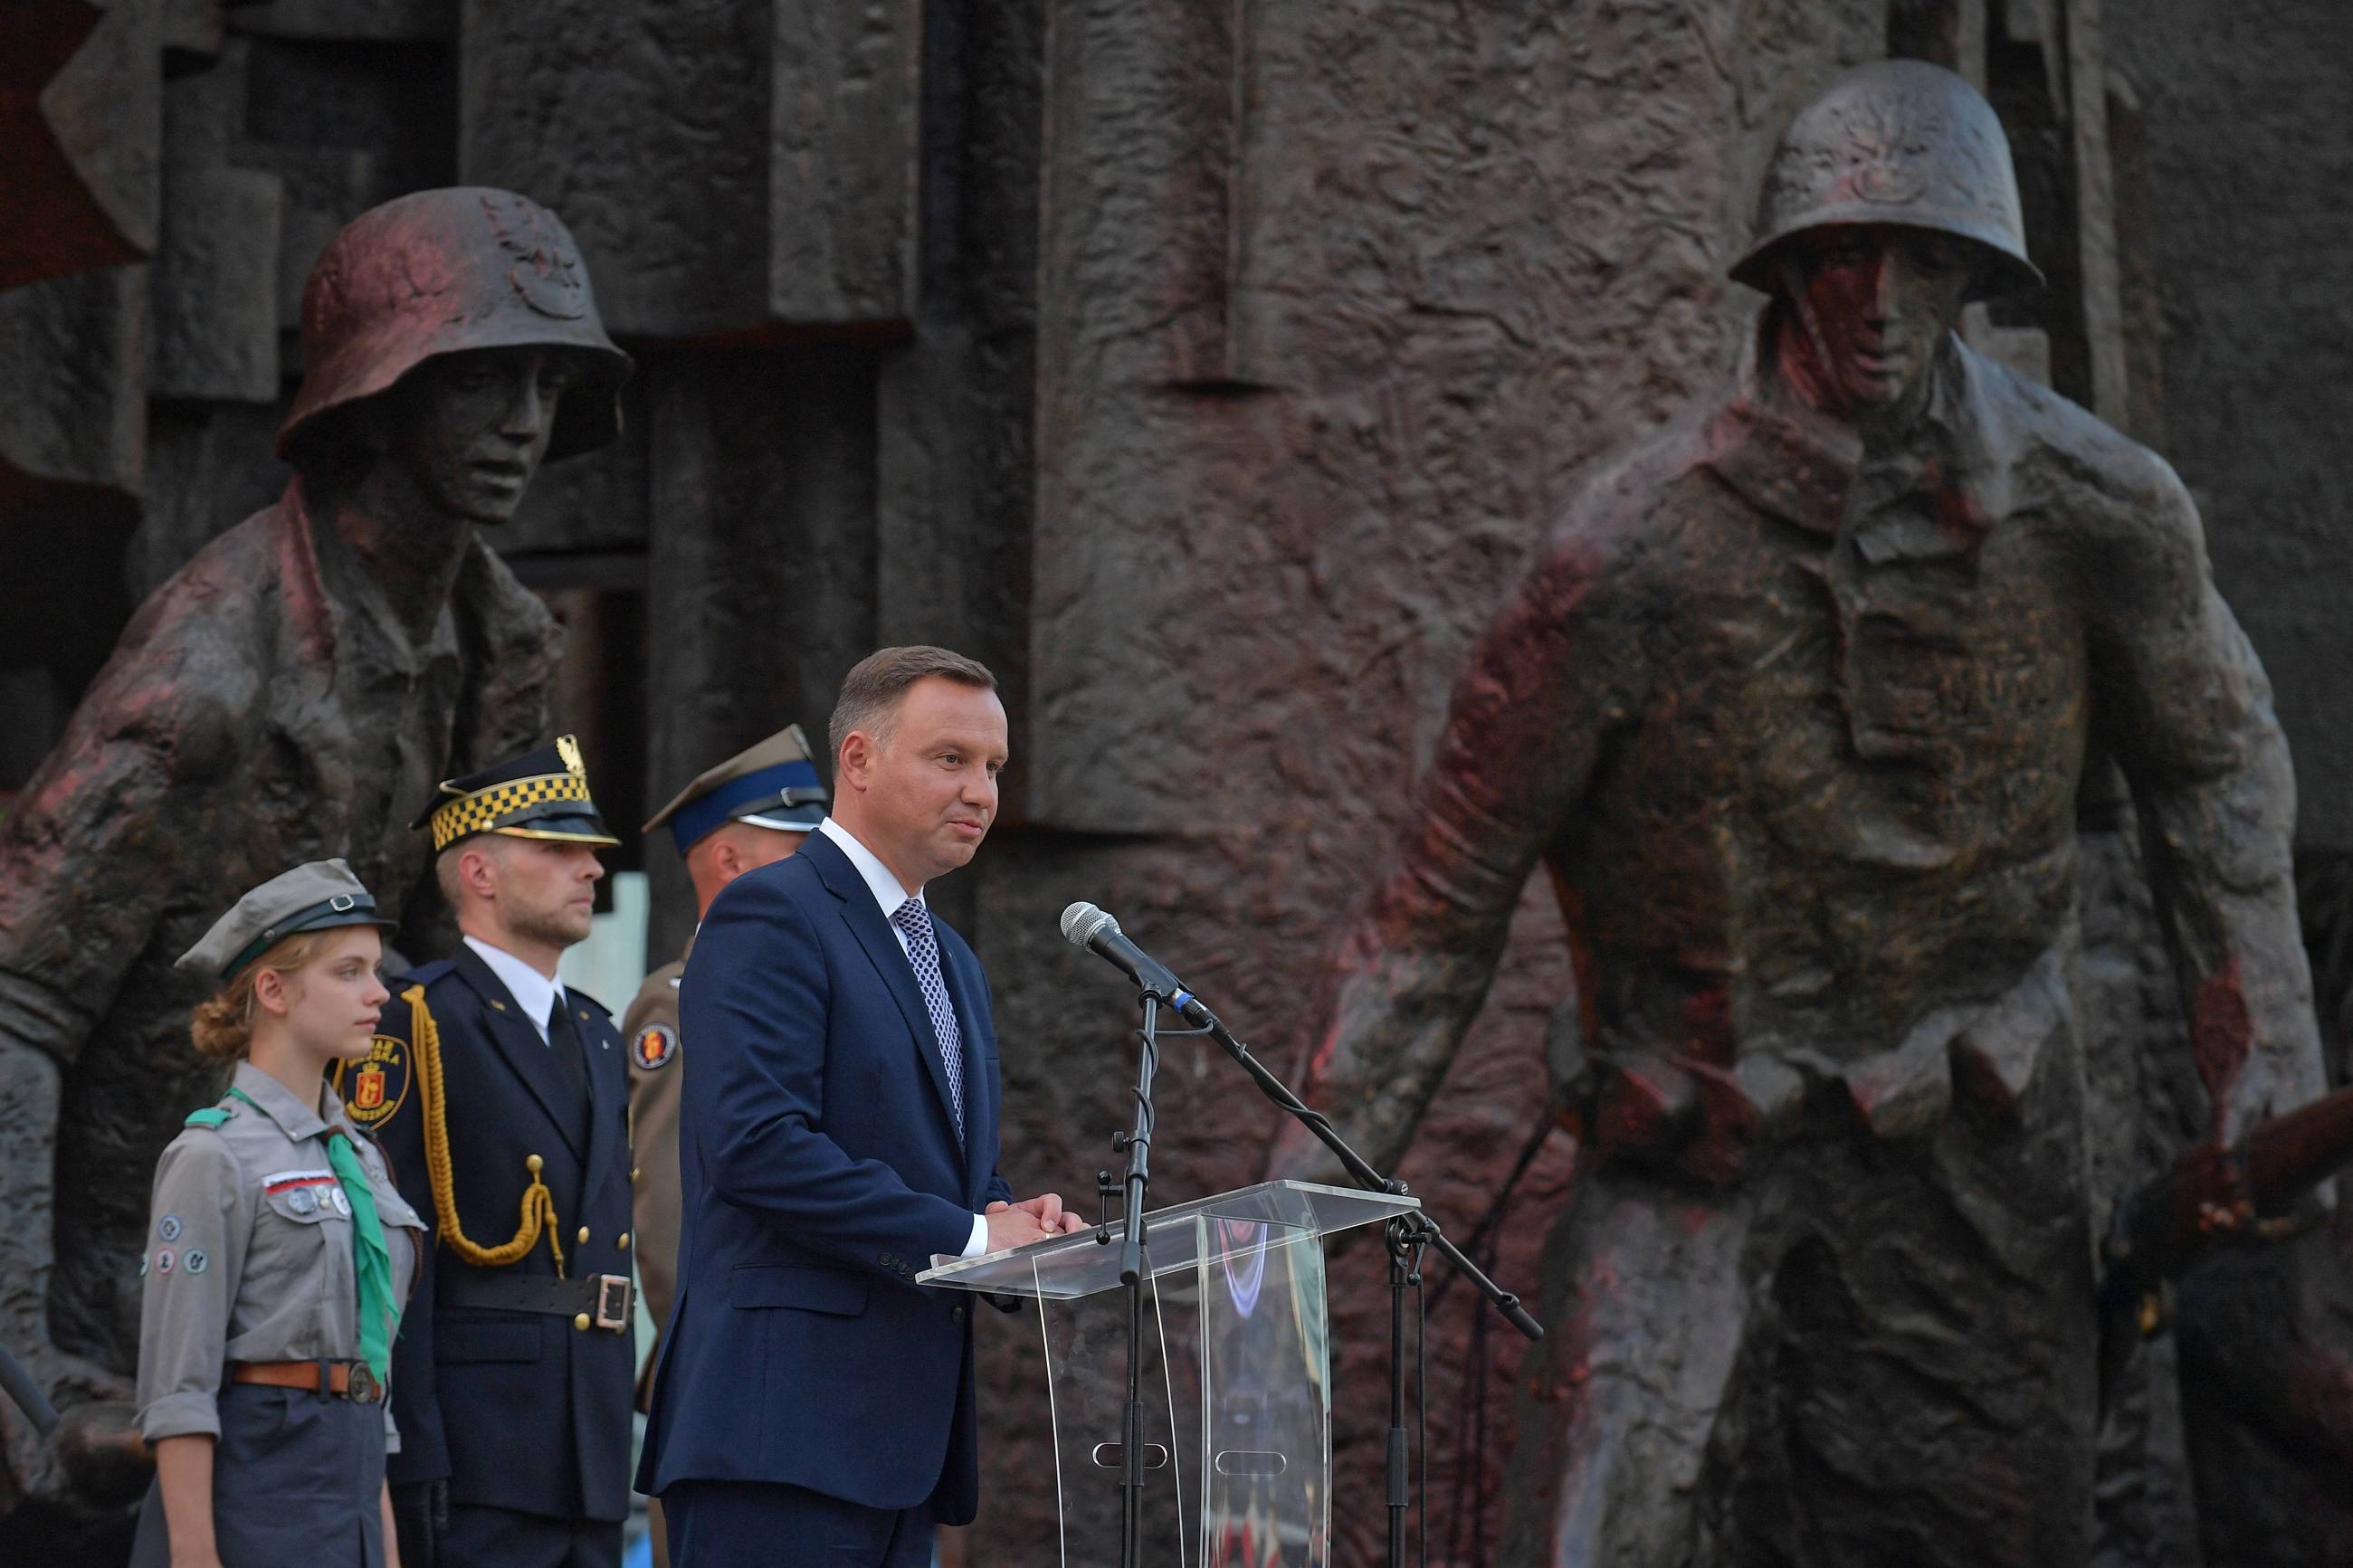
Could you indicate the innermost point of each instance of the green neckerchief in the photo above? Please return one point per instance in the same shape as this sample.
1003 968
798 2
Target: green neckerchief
371 1259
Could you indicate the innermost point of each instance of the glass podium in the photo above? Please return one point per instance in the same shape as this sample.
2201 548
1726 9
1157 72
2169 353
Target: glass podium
1237 1374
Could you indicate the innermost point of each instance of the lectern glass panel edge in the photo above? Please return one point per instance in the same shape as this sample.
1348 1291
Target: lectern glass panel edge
1068 1267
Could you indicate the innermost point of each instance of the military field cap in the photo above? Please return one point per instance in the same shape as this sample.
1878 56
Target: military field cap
773 784
544 794
316 896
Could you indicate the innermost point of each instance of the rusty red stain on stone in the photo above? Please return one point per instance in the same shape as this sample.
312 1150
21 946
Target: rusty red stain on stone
1707 1023
2221 1035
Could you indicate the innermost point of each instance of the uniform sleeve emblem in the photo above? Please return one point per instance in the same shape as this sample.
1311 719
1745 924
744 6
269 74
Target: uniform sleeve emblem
655 1046
196 1260
164 1261
373 1087
168 1227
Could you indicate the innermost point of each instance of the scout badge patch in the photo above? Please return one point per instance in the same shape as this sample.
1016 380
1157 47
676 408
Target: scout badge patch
376 1086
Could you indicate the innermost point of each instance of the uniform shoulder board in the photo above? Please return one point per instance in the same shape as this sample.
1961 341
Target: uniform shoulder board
423 974
373 1087
211 1116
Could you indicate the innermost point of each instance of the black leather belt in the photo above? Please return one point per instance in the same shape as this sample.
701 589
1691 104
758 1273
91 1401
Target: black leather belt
596 1300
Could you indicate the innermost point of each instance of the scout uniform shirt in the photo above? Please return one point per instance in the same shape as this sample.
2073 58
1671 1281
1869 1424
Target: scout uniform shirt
248 1255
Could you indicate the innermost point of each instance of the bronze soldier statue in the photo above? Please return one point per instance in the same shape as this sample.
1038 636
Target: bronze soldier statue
288 696
1793 708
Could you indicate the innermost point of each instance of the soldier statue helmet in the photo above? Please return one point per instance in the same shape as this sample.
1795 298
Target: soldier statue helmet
446 271
1899 143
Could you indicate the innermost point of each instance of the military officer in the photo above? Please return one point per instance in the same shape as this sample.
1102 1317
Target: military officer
499 1092
753 808
278 1254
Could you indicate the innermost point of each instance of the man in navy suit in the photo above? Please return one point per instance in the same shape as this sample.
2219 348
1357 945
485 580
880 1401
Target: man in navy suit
838 1129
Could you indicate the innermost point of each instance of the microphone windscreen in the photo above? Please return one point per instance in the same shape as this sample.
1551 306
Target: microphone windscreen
1082 921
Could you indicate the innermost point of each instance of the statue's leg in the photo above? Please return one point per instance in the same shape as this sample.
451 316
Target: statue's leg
1936 1367
30 1088
1645 1307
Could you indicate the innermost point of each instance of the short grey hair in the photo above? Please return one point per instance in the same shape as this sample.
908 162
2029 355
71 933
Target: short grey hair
870 692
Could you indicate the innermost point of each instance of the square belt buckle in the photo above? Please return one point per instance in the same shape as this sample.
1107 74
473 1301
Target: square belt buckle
613 1301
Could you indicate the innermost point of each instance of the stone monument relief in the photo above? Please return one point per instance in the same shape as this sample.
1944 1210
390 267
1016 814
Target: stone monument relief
1607 576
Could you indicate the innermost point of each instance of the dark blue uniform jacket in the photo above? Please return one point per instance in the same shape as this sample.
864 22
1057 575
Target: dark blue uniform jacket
821 1171
519 1410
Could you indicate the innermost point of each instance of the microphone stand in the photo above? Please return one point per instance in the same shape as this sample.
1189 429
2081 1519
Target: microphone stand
1134 1272
1406 1236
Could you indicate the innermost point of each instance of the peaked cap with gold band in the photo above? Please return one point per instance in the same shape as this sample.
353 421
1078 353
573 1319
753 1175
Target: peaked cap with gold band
772 785
543 794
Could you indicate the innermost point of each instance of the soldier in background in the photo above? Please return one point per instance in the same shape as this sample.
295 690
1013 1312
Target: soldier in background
1794 706
281 698
751 810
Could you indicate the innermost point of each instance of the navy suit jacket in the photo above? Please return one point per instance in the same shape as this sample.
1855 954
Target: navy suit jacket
820 1171
475 1391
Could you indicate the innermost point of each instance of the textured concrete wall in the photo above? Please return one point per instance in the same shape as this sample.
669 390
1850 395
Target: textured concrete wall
2235 228
2249 157
732 164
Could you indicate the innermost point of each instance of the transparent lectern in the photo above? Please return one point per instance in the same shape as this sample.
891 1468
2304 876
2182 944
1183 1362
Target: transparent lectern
1237 1369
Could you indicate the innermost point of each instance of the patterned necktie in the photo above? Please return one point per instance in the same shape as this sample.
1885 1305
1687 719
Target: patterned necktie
915 922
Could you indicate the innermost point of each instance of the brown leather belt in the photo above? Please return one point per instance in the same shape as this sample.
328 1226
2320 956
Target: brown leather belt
348 1380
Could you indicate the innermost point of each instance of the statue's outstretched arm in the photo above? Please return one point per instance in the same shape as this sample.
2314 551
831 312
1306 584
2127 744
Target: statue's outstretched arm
1554 672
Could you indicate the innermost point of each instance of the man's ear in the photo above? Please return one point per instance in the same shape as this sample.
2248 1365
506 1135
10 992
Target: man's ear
725 859
478 870
856 763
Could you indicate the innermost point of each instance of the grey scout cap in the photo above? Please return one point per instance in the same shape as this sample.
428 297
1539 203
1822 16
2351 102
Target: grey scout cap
315 895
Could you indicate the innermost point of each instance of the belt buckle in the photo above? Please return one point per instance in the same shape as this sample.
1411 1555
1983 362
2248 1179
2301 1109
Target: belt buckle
613 1301
360 1384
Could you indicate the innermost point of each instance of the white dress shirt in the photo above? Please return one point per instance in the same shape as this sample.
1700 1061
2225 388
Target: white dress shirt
534 993
880 880
889 895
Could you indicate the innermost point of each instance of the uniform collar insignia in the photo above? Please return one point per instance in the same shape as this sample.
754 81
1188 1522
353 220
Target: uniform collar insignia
275 1101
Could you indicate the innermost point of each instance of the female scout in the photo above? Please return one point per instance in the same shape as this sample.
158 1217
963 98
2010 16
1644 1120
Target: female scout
278 1252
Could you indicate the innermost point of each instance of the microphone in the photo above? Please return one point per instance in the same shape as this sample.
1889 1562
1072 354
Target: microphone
1084 925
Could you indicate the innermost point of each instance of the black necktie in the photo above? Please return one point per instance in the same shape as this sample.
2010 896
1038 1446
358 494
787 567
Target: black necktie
563 1044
